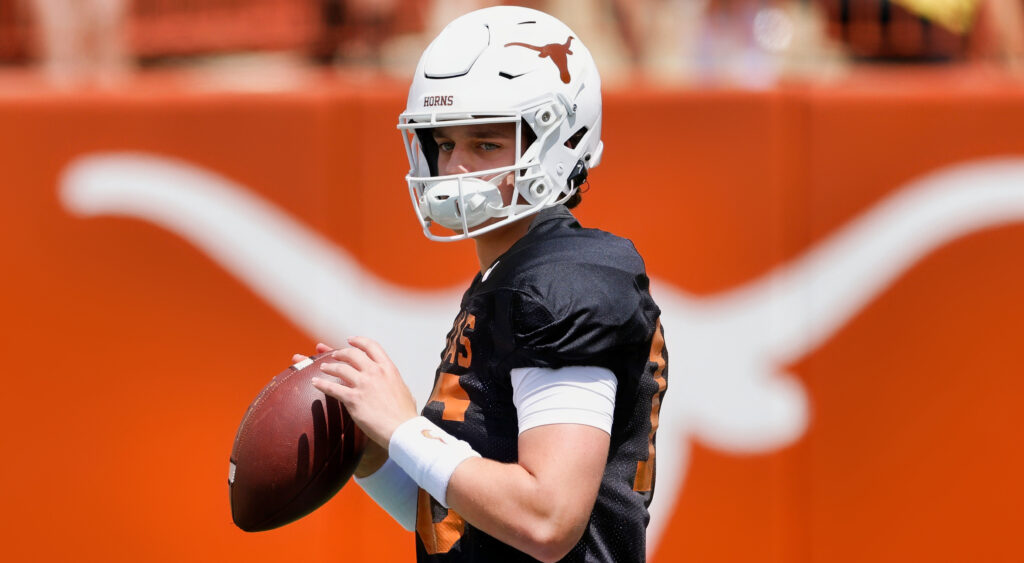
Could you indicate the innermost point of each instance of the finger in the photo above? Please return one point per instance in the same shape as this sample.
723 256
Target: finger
331 388
348 375
323 348
371 348
298 358
353 357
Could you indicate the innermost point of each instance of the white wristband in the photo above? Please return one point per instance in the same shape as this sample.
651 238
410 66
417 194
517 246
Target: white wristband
429 455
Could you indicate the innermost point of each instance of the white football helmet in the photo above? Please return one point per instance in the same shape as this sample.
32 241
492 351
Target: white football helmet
502 64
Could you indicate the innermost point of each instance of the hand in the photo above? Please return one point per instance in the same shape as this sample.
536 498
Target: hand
374 456
371 388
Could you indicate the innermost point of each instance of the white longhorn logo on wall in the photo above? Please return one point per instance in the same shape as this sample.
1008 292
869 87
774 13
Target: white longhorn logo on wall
728 387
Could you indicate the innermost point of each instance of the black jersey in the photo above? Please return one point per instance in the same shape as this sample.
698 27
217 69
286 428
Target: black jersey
560 296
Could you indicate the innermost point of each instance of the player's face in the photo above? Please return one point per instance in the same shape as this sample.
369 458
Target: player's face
471 148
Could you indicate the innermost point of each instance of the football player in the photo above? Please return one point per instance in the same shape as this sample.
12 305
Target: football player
538 439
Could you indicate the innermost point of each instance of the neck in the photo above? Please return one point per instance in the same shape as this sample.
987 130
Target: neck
491 245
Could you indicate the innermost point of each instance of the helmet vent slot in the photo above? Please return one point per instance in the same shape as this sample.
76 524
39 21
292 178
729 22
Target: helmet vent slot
573 141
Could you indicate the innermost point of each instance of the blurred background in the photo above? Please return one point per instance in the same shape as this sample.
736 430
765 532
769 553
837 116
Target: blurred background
829 195
697 43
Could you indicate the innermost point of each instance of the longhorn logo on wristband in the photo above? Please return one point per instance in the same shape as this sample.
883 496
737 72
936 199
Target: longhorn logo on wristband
428 433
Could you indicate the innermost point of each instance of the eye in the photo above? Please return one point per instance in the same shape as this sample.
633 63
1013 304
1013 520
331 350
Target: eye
445 146
487 147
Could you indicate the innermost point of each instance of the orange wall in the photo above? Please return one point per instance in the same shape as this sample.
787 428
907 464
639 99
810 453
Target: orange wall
131 356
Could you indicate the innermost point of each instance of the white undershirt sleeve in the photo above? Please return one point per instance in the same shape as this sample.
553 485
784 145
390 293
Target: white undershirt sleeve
395 492
569 395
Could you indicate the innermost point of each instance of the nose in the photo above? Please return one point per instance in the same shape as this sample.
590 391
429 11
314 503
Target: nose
455 162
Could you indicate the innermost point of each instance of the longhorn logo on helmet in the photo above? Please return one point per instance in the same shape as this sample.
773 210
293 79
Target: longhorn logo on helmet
557 52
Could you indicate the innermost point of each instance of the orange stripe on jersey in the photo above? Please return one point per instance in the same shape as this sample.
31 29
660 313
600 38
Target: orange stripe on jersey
644 478
437 537
448 391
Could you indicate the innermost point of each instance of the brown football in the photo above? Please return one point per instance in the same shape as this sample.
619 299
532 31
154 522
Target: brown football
294 449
